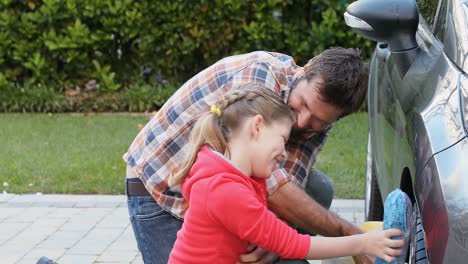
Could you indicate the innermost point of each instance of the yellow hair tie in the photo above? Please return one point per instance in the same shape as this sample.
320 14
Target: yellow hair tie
215 110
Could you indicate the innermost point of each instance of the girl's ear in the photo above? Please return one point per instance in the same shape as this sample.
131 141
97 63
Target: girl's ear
257 126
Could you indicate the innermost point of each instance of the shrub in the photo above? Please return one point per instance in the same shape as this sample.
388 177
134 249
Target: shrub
143 97
136 98
30 98
65 43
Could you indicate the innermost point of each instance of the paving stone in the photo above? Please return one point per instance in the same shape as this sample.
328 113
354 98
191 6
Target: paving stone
347 203
62 244
104 234
29 239
13 250
77 259
64 213
24 198
87 247
66 235
126 241
65 204
17 204
117 256
138 260
36 211
49 222
315 261
6 197
11 229
107 204
76 227
10 212
34 255
96 241
85 204
123 204
118 218
9 257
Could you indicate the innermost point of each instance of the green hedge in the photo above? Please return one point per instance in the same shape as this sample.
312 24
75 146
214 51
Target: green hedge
138 97
66 43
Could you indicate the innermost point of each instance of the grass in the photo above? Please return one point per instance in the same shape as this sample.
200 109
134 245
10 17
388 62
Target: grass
343 157
79 154
64 153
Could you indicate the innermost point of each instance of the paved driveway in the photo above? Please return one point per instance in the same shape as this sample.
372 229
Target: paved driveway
86 228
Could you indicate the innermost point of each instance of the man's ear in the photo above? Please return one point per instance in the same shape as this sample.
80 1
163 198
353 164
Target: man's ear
257 125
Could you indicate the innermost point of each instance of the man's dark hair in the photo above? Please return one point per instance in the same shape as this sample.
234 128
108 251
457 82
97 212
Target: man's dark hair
343 77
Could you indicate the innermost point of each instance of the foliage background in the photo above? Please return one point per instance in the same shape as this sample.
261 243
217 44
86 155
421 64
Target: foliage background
122 55
62 45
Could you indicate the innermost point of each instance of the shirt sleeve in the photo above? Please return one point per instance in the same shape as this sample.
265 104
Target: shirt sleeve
237 208
302 154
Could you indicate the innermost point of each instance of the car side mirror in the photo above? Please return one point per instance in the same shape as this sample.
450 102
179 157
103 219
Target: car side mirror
394 22
391 21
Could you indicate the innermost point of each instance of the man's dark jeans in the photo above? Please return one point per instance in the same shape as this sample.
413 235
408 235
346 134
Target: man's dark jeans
155 229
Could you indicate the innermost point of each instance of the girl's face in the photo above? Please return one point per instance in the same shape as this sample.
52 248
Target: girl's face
269 147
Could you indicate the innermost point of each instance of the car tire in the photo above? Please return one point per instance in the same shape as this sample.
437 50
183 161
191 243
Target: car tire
373 201
375 205
418 253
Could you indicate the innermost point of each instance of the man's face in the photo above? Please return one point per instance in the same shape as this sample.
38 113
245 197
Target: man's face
313 114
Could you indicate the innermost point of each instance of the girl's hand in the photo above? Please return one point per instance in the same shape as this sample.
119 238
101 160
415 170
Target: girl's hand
381 244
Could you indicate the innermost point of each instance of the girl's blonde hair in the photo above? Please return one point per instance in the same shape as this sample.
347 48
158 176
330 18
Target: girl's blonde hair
216 130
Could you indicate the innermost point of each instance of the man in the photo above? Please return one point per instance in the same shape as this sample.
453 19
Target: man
330 86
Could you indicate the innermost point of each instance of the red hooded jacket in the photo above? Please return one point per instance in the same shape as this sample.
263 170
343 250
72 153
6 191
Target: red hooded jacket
227 209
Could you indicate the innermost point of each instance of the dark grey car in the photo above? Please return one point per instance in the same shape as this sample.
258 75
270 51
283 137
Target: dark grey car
418 118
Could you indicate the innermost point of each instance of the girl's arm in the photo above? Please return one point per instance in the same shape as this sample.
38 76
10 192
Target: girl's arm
374 243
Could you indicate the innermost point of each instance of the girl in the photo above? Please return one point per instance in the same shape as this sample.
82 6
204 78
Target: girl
233 149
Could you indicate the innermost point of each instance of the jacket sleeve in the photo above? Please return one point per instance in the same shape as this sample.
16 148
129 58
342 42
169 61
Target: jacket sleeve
237 208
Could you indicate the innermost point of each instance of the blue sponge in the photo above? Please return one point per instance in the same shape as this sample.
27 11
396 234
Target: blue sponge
398 213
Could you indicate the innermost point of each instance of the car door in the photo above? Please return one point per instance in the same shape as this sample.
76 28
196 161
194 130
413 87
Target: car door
397 103
415 125
390 104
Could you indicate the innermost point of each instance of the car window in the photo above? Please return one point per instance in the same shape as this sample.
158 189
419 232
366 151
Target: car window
440 25
428 9
450 28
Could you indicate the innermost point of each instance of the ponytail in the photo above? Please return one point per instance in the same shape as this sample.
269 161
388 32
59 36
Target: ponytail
205 131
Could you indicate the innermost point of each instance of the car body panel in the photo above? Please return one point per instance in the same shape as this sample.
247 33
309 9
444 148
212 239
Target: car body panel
451 28
417 124
442 182
452 168
443 200
418 117
402 115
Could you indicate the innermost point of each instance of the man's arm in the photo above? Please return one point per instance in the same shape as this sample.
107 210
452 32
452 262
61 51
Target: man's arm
295 206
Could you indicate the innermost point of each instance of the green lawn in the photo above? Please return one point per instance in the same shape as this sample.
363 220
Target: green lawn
343 157
64 153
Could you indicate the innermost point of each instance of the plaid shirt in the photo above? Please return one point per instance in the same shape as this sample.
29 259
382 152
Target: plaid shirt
160 146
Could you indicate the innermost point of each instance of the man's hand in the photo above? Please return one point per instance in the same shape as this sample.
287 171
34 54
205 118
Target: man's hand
256 255
363 259
292 204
